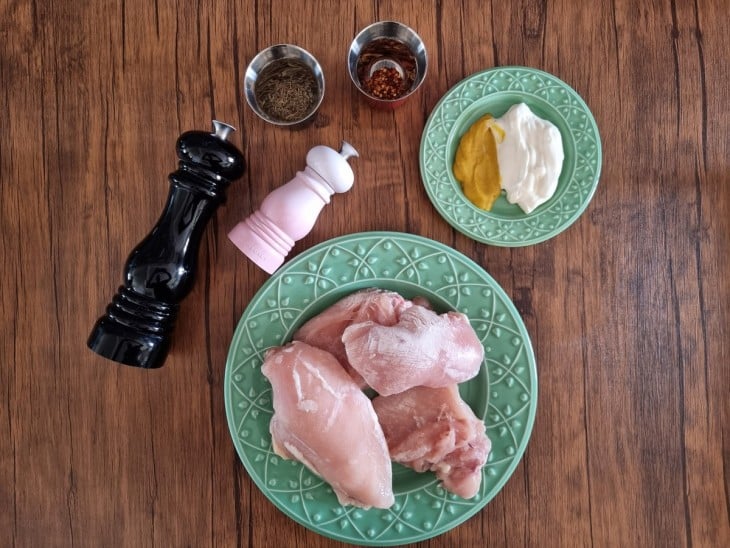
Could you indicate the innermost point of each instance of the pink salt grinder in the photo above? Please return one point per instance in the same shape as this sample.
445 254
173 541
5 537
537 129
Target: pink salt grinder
289 212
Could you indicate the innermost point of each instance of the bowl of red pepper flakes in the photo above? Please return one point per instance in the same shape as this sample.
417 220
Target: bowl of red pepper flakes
387 62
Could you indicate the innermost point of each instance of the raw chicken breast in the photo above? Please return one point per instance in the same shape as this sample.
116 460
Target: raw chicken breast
434 429
325 330
422 349
322 419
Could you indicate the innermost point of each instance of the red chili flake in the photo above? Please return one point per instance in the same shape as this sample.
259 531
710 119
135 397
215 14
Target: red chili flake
386 83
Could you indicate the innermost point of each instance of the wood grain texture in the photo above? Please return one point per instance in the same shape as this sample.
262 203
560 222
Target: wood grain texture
627 309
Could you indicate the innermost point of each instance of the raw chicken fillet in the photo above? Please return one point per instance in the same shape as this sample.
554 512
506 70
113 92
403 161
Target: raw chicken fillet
422 349
325 330
322 419
433 429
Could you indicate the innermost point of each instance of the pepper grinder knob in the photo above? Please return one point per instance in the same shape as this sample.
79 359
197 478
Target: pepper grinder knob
290 211
137 327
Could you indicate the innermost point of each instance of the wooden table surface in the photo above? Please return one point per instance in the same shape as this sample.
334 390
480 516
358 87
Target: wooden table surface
627 309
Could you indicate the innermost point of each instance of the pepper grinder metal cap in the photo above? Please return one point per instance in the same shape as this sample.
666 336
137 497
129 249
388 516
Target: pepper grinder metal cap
289 212
137 327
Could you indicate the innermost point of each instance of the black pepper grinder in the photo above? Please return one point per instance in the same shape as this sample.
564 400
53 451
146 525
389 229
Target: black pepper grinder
137 327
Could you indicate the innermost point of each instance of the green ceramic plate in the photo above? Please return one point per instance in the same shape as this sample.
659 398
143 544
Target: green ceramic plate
494 91
504 393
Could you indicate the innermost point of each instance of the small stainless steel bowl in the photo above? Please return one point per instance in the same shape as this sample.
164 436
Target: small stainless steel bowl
396 31
266 57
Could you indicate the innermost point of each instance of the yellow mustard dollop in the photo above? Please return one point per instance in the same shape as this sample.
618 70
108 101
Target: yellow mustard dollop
476 166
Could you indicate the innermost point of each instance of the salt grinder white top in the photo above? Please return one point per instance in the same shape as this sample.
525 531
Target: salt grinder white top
289 212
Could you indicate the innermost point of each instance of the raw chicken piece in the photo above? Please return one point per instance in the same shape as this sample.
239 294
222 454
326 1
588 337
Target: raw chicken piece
422 349
434 429
461 470
322 419
325 330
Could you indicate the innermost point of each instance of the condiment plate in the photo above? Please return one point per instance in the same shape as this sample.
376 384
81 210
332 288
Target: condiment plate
504 393
494 91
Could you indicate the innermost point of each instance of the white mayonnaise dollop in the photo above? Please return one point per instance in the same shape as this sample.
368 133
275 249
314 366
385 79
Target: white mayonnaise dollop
530 157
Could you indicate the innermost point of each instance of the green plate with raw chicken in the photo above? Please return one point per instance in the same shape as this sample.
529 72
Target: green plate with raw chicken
503 394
